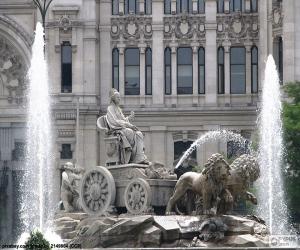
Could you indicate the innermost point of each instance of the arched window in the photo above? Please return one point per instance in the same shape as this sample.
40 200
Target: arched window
254 70
221 75
130 6
253 5
148 7
115 68
184 6
132 71
148 71
115 7
237 70
66 67
168 72
201 71
220 6
184 71
201 6
167 6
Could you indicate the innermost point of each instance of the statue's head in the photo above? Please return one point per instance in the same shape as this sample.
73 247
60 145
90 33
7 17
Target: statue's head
114 96
217 167
69 166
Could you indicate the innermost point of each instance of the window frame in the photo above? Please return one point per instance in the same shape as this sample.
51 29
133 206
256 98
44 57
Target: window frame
218 6
189 6
169 2
252 65
198 7
112 7
115 66
65 88
138 67
145 7
165 70
146 71
251 6
191 65
244 70
126 10
199 65
223 70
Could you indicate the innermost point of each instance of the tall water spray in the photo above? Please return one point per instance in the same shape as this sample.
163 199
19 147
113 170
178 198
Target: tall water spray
271 199
36 188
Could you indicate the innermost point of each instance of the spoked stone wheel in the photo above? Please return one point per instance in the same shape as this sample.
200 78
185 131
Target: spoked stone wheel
137 196
98 191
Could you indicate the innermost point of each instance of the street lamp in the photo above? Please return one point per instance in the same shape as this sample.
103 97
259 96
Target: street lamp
43 6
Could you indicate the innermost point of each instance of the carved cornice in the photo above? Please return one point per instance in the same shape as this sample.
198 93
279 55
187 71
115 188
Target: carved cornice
184 28
131 28
11 24
64 23
237 28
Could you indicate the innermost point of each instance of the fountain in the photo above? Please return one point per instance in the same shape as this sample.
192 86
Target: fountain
36 198
272 206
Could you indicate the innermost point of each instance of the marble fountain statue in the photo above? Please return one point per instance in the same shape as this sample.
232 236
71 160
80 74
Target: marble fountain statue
131 202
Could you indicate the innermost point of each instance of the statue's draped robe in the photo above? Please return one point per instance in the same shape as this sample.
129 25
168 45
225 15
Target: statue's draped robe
132 142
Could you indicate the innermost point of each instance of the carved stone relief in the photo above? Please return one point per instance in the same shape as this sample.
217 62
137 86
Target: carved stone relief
237 28
131 28
277 19
12 72
184 28
65 23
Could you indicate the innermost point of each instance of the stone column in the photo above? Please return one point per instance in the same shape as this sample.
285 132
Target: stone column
174 74
121 72
195 74
248 68
227 73
211 50
157 54
142 74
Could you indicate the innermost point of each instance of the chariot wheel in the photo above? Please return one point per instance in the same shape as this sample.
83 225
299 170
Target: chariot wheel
97 191
138 196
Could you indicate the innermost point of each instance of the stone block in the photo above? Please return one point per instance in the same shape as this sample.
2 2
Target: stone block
245 240
169 227
150 237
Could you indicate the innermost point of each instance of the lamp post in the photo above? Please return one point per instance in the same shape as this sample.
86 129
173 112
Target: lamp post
43 6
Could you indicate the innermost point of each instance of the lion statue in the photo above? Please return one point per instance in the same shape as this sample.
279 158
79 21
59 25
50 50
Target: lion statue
244 171
210 184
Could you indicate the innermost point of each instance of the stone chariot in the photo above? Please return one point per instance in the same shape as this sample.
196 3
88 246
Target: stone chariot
139 188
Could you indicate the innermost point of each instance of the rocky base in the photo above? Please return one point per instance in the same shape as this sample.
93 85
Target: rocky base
160 231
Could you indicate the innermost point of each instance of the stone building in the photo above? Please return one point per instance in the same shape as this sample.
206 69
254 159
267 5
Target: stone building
184 66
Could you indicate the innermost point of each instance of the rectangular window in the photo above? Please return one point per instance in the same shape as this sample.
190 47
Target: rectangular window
201 6
115 7
221 75
132 71
168 72
66 68
237 70
253 5
254 70
184 6
184 71
18 153
220 6
115 68
130 6
167 6
148 71
148 7
201 71
66 152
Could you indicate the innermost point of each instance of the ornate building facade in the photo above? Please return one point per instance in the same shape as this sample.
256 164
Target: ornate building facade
184 66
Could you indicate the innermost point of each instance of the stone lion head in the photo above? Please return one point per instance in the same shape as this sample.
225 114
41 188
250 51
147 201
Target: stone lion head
216 167
246 166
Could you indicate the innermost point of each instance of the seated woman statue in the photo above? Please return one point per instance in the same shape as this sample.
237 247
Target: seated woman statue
132 140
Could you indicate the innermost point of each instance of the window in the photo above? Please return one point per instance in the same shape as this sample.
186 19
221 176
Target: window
278 56
167 6
221 75
115 68
66 68
237 70
253 5
184 6
236 5
220 6
168 72
148 7
201 71
254 70
18 154
179 148
201 6
184 71
132 71
148 72
130 6
66 152
115 7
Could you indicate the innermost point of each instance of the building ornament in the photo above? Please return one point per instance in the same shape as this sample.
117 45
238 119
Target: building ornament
131 29
277 20
184 28
65 23
237 28
12 72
